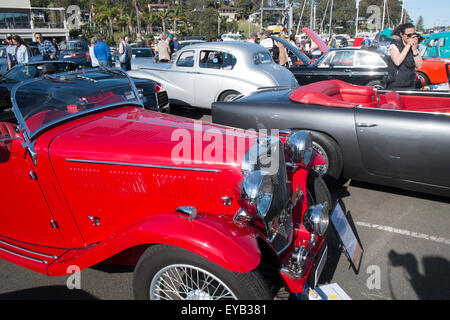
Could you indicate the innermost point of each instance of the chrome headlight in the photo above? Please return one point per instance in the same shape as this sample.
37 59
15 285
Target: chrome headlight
316 219
299 148
257 193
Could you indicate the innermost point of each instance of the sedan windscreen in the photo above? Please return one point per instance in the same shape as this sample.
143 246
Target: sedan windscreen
142 53
62 96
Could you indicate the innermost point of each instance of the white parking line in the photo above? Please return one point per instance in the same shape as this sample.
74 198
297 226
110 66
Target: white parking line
404 232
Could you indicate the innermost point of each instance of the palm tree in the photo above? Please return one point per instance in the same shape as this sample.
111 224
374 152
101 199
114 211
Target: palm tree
138 14
150 19
129 18
177 14
164 15
104 13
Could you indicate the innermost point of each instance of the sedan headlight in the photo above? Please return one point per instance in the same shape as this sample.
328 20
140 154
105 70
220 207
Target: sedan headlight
299 148
257 193
316 219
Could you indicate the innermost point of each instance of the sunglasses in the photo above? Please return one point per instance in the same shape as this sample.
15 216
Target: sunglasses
409 35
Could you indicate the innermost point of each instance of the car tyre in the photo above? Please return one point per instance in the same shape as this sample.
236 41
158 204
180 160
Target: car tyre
162 262
318 191
376 83
423 79
228 95
331 151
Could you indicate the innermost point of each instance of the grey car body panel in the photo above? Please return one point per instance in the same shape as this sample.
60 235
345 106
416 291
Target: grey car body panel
403 149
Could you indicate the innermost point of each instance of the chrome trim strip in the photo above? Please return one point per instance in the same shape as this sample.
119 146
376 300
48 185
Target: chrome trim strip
23 256
28 251
142 165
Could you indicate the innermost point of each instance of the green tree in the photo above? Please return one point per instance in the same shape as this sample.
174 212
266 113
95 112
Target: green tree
420 24
177 14
164 16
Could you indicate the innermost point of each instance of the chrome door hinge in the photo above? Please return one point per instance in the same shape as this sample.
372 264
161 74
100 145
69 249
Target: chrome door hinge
54 224
95 220
33 175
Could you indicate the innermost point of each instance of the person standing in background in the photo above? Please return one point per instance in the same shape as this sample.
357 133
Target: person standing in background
94 61
46 48
23 52
10 52
163 49
404 57
253 37
171 45
140 42
103 53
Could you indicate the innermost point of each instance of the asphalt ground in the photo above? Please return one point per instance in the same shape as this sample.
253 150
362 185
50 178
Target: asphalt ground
405 237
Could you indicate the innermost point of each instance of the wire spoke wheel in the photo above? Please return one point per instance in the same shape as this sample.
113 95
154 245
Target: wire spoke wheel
187 282
321 169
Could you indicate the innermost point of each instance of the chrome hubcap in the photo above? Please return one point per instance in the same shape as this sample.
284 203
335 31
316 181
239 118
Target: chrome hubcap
229 97
186 282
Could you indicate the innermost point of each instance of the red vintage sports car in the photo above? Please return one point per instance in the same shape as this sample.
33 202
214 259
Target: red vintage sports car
89 176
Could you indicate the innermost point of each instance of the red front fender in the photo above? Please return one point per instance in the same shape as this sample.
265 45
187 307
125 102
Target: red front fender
216 238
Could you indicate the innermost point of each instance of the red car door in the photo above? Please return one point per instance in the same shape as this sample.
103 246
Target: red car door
26 220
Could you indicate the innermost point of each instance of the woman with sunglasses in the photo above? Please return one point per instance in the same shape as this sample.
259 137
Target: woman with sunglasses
404 57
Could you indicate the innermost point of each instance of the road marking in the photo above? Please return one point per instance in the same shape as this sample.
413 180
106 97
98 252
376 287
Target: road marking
404 232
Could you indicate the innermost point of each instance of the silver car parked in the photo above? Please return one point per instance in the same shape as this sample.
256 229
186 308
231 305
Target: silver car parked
216 71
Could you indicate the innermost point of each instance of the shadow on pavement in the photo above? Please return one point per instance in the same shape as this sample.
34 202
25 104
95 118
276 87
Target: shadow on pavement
433 285
48 293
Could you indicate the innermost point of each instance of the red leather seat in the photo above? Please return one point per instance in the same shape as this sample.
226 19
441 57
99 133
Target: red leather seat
335 93
394 98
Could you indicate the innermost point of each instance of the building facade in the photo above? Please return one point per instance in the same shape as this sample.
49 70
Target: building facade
18 17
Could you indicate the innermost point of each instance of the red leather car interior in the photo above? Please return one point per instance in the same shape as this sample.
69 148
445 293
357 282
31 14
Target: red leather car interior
335 93
414 102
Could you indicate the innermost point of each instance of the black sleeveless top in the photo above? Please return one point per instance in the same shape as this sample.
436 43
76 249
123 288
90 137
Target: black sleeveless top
403 75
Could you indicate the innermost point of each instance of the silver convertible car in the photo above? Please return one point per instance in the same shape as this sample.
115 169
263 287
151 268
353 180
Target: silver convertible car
216 71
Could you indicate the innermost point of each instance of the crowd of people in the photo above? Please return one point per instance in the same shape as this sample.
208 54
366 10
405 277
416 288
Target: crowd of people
403 52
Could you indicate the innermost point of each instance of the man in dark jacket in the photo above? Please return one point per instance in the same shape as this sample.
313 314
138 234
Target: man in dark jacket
404 57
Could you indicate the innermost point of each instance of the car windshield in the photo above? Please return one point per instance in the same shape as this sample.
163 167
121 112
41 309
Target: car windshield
55 98
262 57
25 72
142 52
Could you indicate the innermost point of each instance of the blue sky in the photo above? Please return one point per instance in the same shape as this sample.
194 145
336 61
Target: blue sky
434 12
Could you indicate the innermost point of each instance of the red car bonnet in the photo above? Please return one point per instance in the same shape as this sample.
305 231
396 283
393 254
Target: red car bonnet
316 39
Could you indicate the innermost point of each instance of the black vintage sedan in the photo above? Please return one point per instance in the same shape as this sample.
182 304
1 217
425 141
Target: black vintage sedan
352 65
394 138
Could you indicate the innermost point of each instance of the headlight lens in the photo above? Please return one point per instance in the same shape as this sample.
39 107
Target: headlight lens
316 219
257 193
299 148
